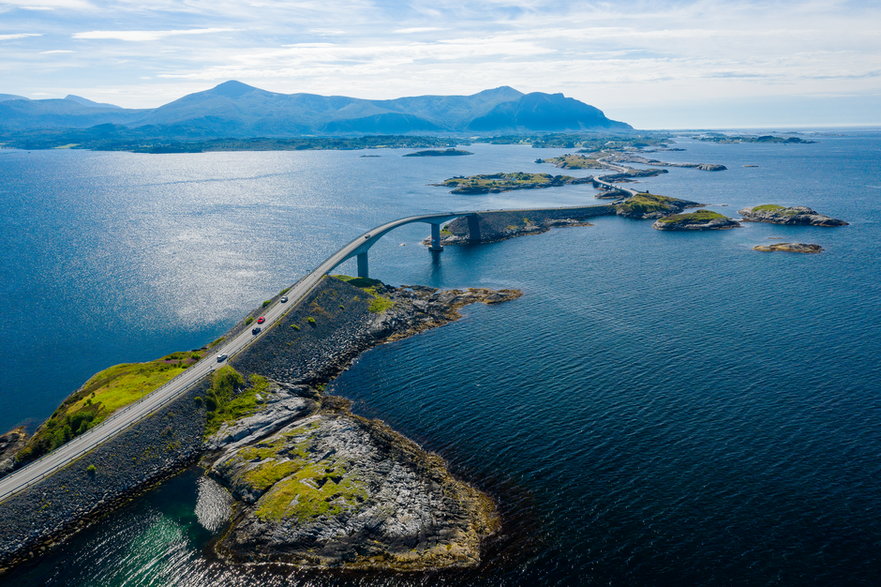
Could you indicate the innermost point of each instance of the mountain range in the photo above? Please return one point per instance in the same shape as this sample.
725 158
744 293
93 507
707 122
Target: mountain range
236 110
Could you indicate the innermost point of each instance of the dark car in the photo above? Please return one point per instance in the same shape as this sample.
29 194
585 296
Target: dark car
261 320
255 331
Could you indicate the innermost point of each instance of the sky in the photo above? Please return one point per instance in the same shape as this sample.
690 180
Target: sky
653 64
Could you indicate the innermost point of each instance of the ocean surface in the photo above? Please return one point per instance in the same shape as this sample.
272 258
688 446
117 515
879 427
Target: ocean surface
657 409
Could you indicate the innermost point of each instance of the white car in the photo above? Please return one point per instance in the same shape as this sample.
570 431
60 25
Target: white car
222 357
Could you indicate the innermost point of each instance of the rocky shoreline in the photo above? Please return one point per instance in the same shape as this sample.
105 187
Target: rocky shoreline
792 215
447 520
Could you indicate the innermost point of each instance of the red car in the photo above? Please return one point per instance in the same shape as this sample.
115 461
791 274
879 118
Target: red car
261 320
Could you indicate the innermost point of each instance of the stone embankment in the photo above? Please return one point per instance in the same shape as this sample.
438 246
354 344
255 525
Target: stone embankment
793 215
38 517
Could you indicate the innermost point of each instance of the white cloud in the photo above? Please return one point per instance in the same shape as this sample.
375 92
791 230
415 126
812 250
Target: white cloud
417 29
141 36
14 36
46 5
56 52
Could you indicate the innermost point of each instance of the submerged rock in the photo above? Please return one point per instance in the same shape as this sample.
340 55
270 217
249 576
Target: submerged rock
790 248
697 220
797 215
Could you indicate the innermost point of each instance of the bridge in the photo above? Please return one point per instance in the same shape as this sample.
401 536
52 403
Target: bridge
122 419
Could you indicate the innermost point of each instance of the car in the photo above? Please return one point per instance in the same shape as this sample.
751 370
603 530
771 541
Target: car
255 331
284 299
261 320
222 357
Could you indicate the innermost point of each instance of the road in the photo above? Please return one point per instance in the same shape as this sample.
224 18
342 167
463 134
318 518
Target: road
122 419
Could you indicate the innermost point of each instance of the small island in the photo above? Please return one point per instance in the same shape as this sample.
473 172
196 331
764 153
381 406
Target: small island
645 205
503 182
697 220
729 139
793 215
439 153
789 248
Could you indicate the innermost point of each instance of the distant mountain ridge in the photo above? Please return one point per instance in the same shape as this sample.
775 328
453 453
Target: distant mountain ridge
236 110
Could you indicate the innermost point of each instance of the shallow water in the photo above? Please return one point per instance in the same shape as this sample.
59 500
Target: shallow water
657 408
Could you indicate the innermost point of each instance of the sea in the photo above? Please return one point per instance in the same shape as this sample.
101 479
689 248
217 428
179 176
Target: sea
656 409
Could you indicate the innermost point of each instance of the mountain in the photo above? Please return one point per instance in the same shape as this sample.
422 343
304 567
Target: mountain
236 110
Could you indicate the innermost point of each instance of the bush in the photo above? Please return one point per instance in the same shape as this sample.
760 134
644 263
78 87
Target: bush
310 320
266 303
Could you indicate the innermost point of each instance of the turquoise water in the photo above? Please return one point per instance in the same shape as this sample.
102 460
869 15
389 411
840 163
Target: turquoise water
658 408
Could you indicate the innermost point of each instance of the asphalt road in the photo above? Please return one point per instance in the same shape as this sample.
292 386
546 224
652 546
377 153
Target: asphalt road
122 419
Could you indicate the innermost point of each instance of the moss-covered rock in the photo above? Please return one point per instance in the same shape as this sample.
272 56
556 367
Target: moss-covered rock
645 205
697 220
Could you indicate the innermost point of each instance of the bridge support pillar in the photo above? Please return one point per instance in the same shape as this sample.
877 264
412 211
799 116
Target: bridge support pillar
362 265
435 239
473 228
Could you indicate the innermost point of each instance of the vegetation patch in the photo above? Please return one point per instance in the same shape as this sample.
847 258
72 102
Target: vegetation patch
317 489
378 303
104 393
572 161
500 182
646 203
767 208
696 217
229 399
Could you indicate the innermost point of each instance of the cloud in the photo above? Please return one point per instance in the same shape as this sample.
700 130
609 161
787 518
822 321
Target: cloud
141 36
18 36
417 29
56 52
46 5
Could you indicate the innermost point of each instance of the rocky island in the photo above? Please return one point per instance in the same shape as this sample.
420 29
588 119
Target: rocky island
795 215
439 153
697 220
789 248
503 182
645 205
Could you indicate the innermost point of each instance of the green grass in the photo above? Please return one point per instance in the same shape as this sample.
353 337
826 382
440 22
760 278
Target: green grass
700 216
645 203
104 393
379 304
229 399
316 489
575 162
767 208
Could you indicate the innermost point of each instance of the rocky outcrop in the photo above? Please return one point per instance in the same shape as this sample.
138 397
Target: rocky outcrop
317 486
487 227
631 158
796 215
789 248
10 443
505 182
331 489
645 206
697 220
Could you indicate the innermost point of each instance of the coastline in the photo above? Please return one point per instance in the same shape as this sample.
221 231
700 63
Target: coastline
46 514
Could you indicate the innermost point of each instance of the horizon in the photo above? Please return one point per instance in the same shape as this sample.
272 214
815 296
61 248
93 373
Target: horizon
771 126
675 64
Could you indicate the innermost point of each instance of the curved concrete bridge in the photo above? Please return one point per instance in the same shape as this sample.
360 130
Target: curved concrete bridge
119 421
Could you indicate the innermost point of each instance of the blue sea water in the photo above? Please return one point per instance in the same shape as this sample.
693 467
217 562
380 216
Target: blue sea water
658 408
